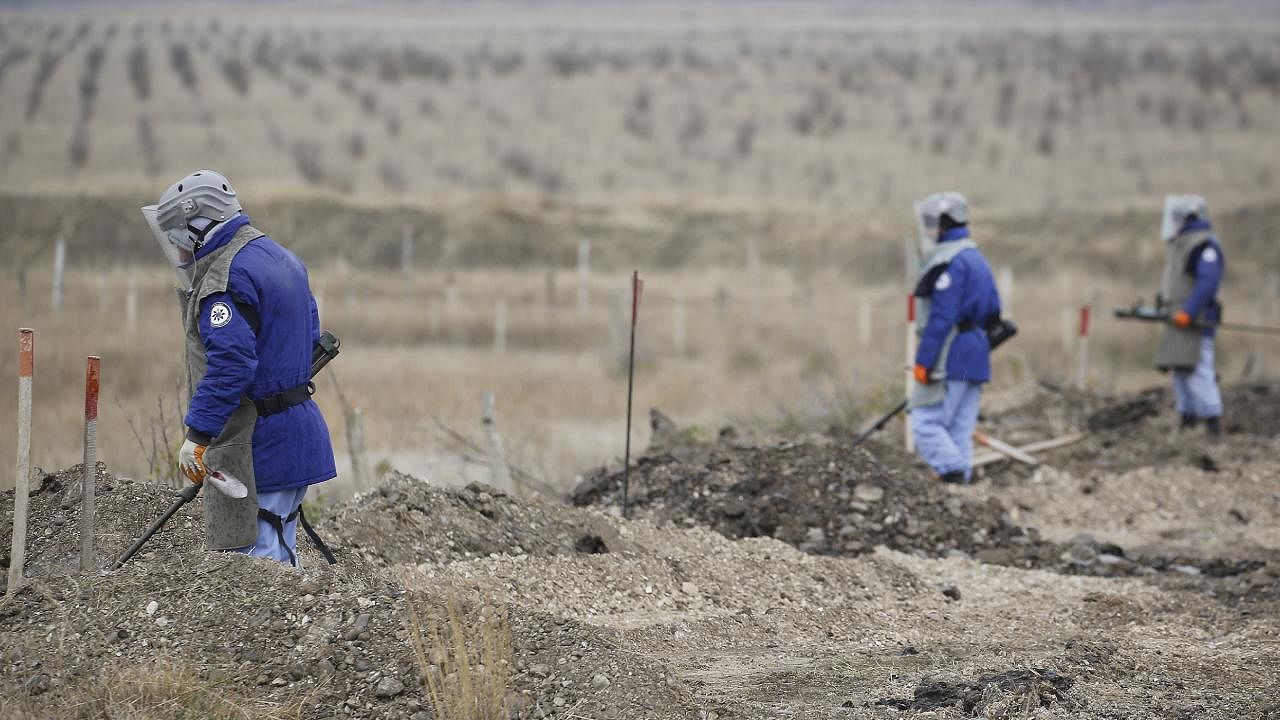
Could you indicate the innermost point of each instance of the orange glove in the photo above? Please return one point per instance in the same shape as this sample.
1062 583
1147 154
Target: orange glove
1182 319
921 374
191 461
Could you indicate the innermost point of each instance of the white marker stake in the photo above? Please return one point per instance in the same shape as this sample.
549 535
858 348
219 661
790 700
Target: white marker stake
500 327
131 305
59 266
1082 368
21 485
678 322
864 325
908 441
88 487
1006 291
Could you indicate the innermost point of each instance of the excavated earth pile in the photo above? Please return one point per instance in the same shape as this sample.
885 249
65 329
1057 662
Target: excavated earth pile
800 579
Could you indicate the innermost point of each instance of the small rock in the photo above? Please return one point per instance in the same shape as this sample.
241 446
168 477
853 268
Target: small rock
37 684
868 493
688 588
600 681
152 607
816 536
1185 569
389 688
951 592
908 650
558 701
279 682
540 670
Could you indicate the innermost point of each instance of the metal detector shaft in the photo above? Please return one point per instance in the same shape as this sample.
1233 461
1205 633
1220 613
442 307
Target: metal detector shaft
1150 314
998 333
884 420
187 495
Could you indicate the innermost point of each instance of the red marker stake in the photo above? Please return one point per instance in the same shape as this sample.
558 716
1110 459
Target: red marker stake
21 485
88 560
637 288
908 441
1082 366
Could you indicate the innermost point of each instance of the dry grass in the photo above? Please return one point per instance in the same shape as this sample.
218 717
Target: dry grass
171 689
464 654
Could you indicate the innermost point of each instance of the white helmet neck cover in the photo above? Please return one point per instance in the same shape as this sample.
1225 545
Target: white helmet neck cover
929 212
1177 208
202 194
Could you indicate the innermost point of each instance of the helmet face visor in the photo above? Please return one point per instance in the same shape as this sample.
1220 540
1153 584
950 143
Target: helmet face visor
927 218
175 244
1170 222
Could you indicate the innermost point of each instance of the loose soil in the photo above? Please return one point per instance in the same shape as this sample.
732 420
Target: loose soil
799 578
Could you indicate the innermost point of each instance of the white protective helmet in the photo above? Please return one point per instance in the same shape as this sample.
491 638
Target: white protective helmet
188 210
929 214
1177 208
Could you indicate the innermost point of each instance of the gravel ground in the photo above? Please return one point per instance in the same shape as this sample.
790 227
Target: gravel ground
1074 591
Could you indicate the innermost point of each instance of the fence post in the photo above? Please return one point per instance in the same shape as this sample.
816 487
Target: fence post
678 322
1006 291
753 275
499 471
406 250
59 267
22 481
500 326
864 325
88 486
584 275
131 305
355 446
908 440
1082 367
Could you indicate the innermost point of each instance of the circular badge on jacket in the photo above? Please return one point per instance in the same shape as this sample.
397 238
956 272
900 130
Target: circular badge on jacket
944 281
219 314
1209 255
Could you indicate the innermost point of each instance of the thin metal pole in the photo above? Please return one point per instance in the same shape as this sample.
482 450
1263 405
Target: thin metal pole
88 559
21 485
636 287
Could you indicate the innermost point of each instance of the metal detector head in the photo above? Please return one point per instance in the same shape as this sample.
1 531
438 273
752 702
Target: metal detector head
226 484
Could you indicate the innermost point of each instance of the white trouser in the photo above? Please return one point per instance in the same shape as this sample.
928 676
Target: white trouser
1195 391
944 432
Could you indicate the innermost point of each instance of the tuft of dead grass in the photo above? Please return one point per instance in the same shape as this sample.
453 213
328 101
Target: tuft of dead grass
174 690
464 654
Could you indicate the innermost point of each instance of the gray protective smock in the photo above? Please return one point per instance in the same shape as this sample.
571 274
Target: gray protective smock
1179 348
934 393
228 524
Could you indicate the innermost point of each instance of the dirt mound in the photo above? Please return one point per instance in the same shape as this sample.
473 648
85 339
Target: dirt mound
1007 694
408 521
820 495
225 635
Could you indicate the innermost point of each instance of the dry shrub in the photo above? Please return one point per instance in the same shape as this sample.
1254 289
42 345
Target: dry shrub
171 689
464 654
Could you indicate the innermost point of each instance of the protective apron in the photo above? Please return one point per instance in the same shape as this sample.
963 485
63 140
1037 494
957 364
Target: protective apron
228 524
1179 348
934 265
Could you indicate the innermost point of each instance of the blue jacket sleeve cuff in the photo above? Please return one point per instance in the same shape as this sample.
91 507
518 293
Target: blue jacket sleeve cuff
198 437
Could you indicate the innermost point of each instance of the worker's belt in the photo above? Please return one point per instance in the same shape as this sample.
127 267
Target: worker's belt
284 400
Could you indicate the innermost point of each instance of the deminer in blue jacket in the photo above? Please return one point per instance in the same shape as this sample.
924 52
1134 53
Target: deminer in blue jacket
1194 263
251 323
956 301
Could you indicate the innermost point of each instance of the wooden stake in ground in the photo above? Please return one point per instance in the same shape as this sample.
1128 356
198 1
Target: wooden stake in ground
499 472
637 287
1082 367
21 485
88 560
